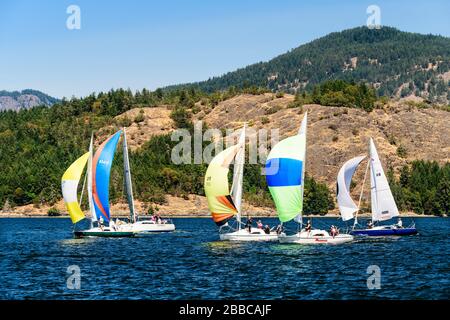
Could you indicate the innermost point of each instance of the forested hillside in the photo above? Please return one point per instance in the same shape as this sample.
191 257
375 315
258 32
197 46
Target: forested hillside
395 63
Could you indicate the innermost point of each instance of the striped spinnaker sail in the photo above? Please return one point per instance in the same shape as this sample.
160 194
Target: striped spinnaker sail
217 189
69 186
285 175
101 169
347 206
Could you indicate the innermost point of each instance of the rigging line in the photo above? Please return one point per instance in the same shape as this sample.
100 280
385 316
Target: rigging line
362 191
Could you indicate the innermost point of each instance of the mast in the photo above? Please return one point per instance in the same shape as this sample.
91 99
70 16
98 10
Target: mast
302 130
127 178
89 179
238 174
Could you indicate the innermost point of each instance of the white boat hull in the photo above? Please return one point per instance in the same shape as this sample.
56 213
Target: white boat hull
244 235
105 232
315 237
142 227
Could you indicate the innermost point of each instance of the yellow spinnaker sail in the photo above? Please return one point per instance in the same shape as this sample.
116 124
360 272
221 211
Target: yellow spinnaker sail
69 186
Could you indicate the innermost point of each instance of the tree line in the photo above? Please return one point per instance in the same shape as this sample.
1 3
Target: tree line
339 93
422 187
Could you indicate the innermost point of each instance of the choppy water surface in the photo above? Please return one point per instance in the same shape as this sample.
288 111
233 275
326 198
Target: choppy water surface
192 264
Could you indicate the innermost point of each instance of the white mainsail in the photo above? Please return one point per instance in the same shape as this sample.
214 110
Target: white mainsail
382 200
302 131
89 178
127 178
347 206
238 174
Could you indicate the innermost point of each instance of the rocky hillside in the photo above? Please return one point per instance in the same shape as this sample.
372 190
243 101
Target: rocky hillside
396 63
25 99
141 124
401 131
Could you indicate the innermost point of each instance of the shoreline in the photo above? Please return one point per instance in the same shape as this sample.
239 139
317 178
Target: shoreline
20 215
193 207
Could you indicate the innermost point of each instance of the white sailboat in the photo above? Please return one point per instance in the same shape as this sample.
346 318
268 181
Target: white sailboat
223 204
136 225
382 201
285 175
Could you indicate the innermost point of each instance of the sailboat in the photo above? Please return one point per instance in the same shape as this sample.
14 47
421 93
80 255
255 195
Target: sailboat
382 201
136 225
98 172
285 176
225 205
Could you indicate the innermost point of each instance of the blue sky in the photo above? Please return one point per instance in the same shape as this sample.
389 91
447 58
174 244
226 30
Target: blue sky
136 44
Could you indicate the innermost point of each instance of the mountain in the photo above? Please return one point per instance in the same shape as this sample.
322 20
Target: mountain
396 63
25 99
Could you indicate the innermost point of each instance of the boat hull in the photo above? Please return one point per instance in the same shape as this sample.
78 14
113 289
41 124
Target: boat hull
385 232
148 227
104 234
315 237
244 235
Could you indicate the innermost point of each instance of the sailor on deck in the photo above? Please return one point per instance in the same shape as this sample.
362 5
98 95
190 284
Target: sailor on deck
279 229
248 224
308 226
259 224
334 231
100 222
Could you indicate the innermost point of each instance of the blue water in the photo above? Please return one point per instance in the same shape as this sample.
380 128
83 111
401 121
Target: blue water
192 264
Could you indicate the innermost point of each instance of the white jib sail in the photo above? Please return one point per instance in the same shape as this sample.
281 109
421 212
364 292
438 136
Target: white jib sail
347 206
127 176
383 203
238 174
89 170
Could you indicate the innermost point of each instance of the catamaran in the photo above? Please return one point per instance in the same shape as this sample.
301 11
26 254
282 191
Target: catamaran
285 176
225 205
136 225
98 173
382 202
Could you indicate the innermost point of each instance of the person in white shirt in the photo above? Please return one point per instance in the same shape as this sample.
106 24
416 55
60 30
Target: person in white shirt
100 222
